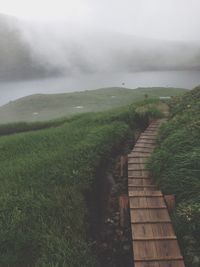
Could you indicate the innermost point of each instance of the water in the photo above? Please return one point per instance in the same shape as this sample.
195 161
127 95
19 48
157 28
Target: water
13 90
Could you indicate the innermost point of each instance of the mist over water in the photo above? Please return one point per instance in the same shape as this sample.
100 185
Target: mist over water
80 46
13 90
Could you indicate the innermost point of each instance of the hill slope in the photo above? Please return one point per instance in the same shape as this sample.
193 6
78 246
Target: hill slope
176 167
45 107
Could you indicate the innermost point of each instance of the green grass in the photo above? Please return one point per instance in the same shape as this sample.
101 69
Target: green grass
46 107
176 168
45 176
18 127
154 107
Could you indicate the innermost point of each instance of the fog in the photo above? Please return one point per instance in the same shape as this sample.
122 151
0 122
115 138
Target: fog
108 36
70 39
171 19
72 49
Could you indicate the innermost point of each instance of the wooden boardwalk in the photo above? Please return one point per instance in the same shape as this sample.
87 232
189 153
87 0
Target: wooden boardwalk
154 240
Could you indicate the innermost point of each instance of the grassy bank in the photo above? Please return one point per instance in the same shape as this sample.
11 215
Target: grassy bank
45 176
147 105
176 168
19 127
47 107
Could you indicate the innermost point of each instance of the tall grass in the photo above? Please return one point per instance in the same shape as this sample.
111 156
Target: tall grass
176 168
19 127
44 176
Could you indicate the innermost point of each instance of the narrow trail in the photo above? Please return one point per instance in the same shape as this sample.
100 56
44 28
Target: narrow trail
154 241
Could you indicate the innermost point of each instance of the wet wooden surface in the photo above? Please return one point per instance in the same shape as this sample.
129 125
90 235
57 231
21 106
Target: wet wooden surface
154 241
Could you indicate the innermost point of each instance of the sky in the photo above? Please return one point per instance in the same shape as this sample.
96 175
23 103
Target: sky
159 19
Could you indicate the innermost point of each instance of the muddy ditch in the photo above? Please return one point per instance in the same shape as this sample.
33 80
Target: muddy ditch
111 234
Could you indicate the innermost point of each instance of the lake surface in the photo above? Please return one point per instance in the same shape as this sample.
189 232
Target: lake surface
13 90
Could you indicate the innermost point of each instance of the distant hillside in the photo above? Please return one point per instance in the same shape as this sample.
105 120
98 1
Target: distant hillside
44 107
16 57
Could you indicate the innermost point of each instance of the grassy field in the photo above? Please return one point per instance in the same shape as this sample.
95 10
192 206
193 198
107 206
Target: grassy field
45 107
46 176
44 180
176 168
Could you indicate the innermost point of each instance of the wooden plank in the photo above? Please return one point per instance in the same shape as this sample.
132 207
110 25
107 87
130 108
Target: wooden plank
170 202
154 127
152 230
158 250
143 149
155 201
139 155
136 161
156 193
136 166
155 238
138 173
138 169
145 141
123 210
161 259
152 208
147 138
171 263
138 177
144 145
136 154
151 131
139 181
142 186
134 170
153 134
137 201
147 202
155 215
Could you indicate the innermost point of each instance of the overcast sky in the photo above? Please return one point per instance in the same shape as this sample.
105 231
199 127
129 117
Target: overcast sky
160 19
